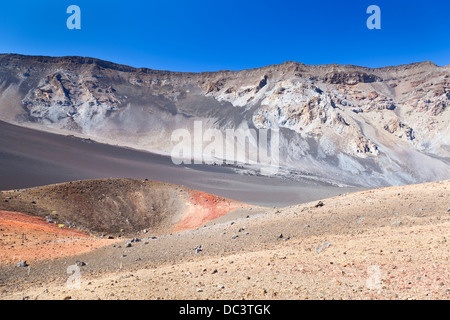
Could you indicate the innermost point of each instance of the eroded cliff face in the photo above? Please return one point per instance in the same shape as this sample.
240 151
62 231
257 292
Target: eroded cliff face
340 124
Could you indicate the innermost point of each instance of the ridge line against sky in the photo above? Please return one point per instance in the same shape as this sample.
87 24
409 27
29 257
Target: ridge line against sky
221 70
200 35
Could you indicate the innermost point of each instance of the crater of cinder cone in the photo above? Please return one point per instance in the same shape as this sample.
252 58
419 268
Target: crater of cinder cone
119 206
28 238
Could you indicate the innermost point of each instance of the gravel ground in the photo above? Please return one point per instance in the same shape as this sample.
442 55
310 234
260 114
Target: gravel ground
389 243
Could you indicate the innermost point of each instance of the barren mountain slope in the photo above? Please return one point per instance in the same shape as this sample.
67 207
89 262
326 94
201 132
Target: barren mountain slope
30 158
341 124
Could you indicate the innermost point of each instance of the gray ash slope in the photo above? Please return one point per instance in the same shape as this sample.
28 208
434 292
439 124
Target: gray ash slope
340 124
31 158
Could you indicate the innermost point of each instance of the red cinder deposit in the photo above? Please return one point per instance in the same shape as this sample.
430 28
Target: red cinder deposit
29 238
204 207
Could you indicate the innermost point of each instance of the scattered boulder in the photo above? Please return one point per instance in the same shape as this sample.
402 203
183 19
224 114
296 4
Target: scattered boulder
323 246
319 204
22 264
198 249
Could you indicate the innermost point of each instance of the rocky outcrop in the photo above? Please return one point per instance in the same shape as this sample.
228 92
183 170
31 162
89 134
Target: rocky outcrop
350 78
400 129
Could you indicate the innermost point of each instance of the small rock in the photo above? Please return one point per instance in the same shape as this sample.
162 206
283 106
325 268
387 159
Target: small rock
22 264
214 271
129 245
235 236
319 204
80 263
324 245
198 249
396 223
280 236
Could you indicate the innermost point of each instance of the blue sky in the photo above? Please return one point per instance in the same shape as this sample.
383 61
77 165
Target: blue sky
217 35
